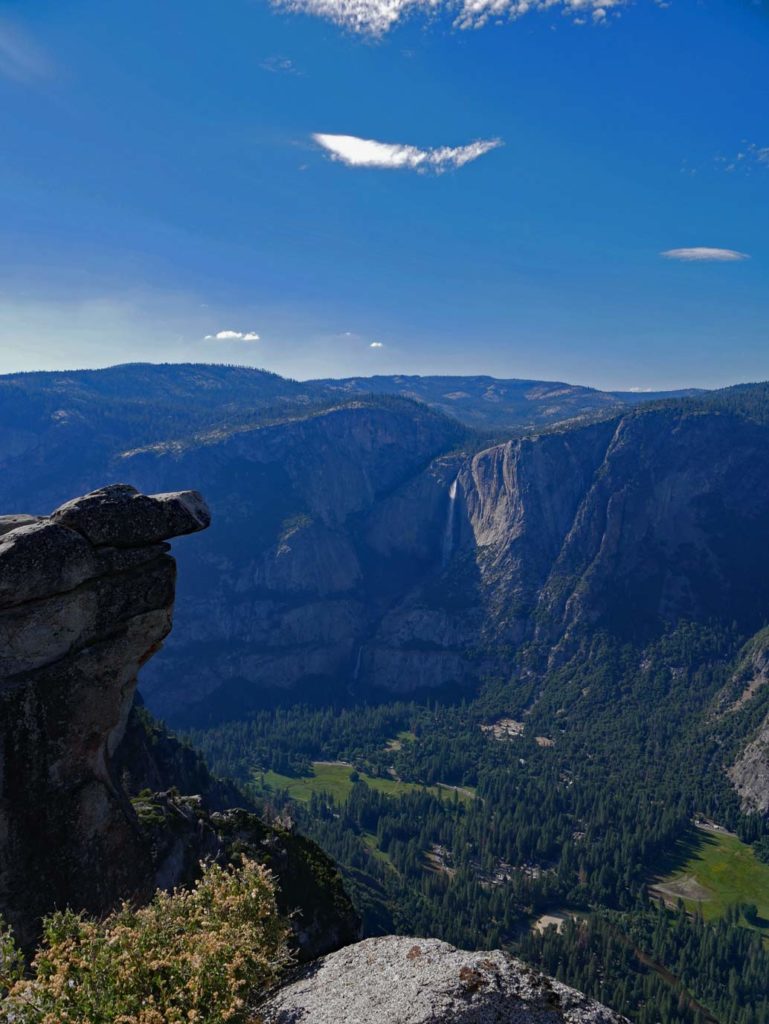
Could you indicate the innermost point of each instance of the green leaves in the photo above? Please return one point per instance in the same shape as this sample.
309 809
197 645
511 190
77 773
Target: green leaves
199 955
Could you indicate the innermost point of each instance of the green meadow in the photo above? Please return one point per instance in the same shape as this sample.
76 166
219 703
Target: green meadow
334 778
715 870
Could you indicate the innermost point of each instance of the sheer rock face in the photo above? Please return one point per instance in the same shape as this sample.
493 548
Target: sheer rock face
750 772
299 568
396 980
428 575
86 596
356 549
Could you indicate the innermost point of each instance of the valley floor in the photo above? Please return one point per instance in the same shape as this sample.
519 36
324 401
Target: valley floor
715 871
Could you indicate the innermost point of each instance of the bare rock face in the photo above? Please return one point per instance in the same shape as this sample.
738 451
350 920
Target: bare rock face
294 575
364 548
86 596
750 772
672 527
396 980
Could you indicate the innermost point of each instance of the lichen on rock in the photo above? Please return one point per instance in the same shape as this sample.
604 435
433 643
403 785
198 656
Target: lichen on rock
398 980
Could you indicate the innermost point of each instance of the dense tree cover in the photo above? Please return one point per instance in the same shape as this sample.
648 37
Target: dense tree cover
648 964
620 750
287 740
747 400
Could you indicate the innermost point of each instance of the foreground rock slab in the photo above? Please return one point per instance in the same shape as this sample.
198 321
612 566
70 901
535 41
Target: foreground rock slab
395 980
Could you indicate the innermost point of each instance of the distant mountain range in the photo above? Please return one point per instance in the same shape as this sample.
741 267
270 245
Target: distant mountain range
363 539
148 400
488 403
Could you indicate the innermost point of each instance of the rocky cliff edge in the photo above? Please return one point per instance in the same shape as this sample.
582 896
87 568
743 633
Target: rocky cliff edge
395 980
86 597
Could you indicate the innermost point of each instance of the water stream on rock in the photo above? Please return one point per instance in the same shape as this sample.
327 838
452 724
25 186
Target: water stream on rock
448 533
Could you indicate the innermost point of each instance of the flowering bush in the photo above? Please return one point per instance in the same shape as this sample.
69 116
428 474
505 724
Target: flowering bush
200 955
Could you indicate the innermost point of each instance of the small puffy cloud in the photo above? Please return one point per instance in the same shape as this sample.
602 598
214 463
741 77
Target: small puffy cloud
704 254
232 336
376 344
356 152
377 17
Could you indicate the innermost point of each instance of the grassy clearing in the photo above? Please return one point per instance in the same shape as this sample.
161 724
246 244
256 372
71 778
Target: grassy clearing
334 778
404 736
714 870
370 840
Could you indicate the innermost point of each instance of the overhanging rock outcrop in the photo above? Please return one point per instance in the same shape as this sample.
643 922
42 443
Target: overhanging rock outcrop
86 596
395 980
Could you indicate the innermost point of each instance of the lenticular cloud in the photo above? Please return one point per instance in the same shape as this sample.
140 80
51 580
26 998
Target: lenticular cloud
705 254
376 17
355 152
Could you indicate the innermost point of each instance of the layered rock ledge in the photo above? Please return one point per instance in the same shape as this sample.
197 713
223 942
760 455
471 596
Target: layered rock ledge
395 980
86 596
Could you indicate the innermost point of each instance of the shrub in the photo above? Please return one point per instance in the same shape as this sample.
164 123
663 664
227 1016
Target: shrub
201 955
11 962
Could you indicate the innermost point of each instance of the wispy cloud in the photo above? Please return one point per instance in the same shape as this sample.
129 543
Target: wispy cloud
20 59
749 156
705 254
376 344
280 66
355 152
376 17
232 336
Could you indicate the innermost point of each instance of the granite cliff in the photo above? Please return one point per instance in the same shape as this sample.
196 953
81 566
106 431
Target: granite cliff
747 696
86 596
398 564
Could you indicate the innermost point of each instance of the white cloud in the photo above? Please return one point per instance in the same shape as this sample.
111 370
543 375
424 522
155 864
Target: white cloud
704 254
355 152
20 59
232 336
749 156
280 66
376 344
376 17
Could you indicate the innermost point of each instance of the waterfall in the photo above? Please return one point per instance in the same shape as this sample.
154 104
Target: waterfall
355 674
448 533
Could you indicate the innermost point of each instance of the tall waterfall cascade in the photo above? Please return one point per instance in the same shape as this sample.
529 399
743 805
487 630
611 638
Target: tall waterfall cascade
448 532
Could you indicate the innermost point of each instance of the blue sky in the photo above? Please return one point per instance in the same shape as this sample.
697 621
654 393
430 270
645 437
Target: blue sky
161 182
